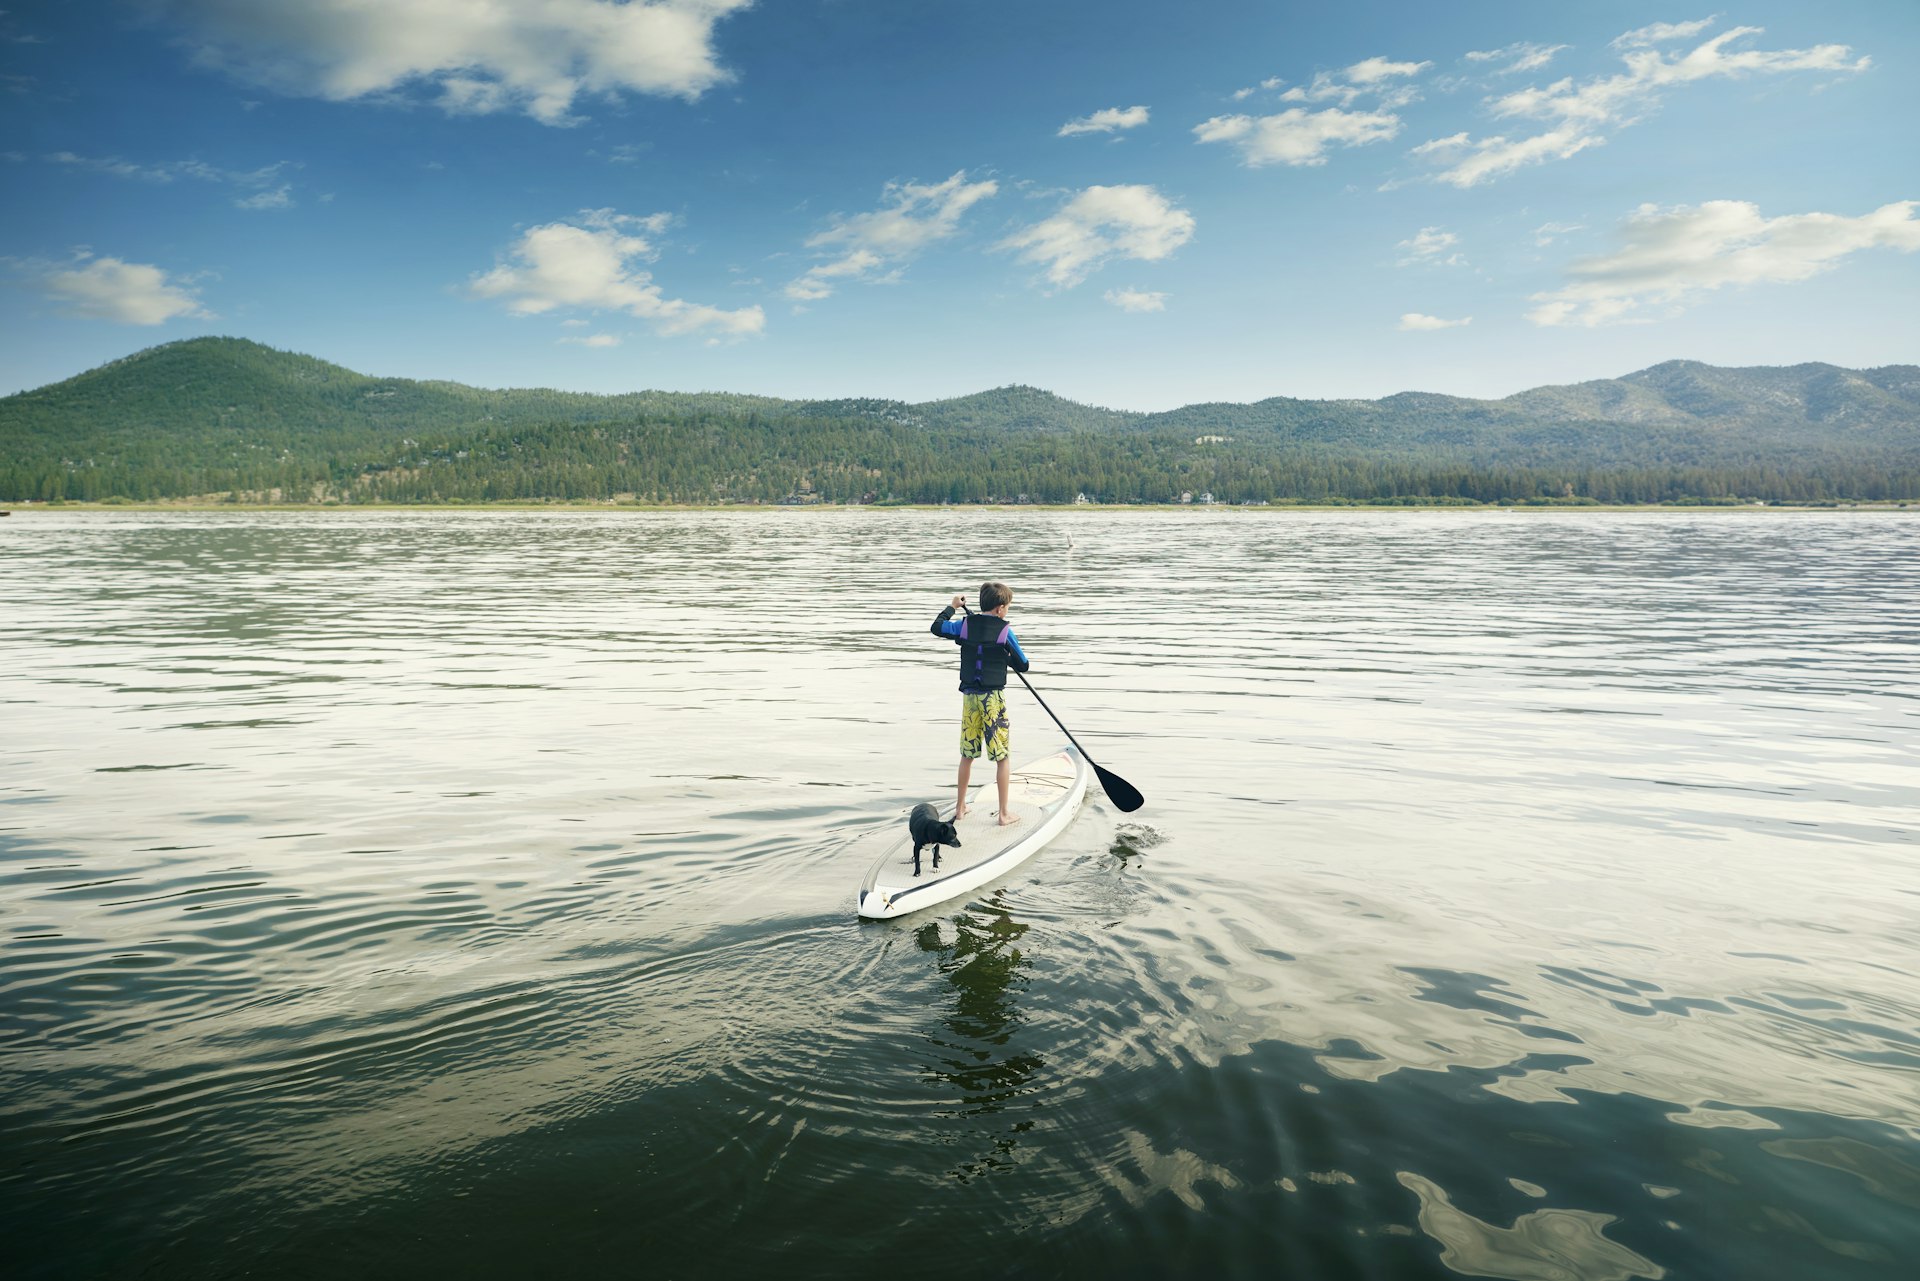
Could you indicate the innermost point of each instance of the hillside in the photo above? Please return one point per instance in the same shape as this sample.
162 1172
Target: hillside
201 384
1814 401
215 415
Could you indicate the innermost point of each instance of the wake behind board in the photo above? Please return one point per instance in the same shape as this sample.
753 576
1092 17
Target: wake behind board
1046 794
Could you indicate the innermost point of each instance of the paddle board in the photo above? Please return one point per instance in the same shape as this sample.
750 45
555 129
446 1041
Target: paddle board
1046 794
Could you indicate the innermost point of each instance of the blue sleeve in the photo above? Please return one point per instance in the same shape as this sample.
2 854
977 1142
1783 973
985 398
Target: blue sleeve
1016 657
946 625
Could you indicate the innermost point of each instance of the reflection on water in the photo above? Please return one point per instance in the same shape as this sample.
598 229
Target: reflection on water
1881 1173
975 1053
1522 895
1542 1245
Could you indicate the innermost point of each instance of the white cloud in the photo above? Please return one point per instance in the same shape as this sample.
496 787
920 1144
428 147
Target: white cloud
1297 136
1448 143
280 197
267 184
1578 114
1414 322
1430 245
115 166
1660 32
594 340
536 56
131 293
1670 256
167 171
1106 121
911 217
817 282
1099 224
590 265
1271 82
1520 56
1136 300
1532 58
1372 71
1368 76
1498 156
1548 232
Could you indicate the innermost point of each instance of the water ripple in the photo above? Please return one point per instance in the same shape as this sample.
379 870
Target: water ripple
1520 895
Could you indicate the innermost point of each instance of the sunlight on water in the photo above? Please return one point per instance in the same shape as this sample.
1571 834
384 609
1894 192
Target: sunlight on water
1518 895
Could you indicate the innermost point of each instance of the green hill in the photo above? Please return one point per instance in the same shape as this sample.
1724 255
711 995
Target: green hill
228 416
1793 406
185 389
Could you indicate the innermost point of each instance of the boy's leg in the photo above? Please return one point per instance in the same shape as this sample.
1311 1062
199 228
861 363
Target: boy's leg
999 742
973 733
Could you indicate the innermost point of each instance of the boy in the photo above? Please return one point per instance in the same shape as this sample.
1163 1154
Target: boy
987 649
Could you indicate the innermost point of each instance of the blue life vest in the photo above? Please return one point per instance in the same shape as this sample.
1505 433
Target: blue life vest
983 654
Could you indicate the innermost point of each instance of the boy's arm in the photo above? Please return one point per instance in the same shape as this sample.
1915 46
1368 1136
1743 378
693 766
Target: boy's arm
945 626
1016 657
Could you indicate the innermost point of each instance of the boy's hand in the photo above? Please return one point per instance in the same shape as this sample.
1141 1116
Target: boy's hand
959 602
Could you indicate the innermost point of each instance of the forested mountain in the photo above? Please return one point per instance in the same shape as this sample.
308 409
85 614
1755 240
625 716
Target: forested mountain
223 416
191 386
1811 401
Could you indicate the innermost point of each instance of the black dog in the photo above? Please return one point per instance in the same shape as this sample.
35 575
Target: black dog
927 829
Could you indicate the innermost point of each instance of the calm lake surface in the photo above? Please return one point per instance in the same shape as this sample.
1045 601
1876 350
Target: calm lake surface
1520 895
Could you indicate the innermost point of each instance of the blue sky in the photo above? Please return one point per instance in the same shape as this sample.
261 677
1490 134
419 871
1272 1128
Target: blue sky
1133 204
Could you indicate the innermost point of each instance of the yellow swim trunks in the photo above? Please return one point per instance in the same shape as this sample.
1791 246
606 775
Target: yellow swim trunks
983 722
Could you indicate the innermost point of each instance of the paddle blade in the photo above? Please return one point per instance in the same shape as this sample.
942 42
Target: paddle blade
1125 796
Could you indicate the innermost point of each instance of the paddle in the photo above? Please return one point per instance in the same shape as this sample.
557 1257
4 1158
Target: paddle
1125 796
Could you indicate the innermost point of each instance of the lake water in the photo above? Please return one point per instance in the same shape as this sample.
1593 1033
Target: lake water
1520 895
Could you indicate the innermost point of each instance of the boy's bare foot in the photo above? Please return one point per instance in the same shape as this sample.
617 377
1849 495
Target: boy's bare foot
959 813
1008 820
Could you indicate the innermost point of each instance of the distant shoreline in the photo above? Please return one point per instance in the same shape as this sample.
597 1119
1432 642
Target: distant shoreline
233 423
595 509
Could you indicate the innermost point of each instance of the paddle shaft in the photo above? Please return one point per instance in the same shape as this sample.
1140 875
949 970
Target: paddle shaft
1123 794
1049 711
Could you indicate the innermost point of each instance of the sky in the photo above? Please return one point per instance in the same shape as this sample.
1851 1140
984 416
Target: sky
1138 205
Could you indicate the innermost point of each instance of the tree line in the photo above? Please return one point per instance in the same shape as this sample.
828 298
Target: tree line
718 458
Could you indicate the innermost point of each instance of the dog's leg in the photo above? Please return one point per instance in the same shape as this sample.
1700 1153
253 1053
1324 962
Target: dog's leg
916 860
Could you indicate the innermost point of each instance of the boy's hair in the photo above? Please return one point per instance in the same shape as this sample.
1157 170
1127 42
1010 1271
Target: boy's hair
993 596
